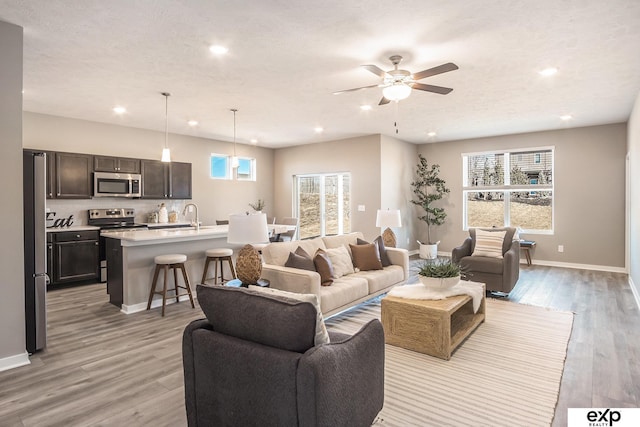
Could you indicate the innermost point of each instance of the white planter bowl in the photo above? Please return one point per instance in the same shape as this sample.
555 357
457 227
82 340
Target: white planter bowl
439 284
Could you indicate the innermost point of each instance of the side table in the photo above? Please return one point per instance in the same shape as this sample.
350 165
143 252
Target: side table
526 246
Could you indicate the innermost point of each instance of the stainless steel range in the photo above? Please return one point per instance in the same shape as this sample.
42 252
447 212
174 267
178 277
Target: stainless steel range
113 219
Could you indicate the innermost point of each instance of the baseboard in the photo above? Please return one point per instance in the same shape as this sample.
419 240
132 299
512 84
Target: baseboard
14 361
135 308
634 290
593 267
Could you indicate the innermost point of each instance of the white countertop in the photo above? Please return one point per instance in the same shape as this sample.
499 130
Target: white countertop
72 228
166 224
154 237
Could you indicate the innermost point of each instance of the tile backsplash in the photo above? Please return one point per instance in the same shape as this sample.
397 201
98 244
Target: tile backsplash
77 209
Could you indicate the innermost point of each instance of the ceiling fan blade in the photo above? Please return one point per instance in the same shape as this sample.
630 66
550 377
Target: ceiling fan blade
375 70
354 89
431 88
450 66
384 101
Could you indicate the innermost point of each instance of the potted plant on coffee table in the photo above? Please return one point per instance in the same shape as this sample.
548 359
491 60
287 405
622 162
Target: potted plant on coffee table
428 187
439 275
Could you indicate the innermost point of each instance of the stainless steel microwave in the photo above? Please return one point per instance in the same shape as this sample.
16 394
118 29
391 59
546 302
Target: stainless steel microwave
111 184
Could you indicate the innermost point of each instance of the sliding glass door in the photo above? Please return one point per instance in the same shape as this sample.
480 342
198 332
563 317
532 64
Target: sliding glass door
322 203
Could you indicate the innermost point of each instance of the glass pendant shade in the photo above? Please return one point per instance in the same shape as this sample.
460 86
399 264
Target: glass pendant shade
397 91
235 162
166 155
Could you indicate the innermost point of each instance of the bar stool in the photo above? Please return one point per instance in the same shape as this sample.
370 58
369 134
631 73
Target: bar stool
166 263
218 256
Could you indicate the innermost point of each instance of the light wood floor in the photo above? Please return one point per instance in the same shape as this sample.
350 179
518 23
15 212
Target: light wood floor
104 368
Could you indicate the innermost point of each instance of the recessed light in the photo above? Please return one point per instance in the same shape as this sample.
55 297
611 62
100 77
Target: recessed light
318 129
550 71
365 107
218 50
119 110
566 117
192 123
431 134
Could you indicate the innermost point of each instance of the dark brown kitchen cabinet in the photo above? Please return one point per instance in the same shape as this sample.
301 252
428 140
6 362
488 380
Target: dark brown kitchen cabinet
51 174
73 175
179 180
166 180
73 256
116 164
154 179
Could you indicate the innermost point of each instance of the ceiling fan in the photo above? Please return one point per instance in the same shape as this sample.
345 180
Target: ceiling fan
397 84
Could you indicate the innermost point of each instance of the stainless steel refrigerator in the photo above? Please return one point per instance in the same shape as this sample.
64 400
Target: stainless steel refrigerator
35 249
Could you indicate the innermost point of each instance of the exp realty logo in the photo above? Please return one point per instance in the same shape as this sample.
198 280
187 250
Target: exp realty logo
603 417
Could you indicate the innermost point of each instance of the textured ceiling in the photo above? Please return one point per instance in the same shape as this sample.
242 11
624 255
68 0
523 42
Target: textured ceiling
286 58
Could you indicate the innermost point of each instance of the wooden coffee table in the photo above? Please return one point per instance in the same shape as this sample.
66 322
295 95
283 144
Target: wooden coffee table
433 327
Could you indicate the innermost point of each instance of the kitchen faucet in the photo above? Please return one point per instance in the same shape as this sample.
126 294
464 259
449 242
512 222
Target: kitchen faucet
197 220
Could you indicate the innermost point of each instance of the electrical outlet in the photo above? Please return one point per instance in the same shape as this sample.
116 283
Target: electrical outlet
361 208
560 248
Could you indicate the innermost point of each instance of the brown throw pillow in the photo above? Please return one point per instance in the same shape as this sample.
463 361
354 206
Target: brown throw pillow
302 252
299 261
382 251
366 257
323 267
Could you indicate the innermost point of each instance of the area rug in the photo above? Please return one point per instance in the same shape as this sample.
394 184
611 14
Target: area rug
507 373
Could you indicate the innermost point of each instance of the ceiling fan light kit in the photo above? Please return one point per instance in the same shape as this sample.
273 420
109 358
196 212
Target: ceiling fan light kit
396 92
397 84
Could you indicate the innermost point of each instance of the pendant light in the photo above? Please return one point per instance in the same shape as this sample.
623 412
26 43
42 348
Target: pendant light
166 153
234 160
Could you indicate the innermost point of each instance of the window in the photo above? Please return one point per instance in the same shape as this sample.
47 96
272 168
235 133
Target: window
246 169
221 168
322 204
512 188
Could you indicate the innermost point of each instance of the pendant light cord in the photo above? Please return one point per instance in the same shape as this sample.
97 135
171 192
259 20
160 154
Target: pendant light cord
234 110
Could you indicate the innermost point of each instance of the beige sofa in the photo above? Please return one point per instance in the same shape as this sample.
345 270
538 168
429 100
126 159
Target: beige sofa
345 291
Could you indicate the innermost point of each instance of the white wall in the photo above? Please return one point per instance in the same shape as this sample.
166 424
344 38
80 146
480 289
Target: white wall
634 198
358 156
589 201
12 320
216 199
397 164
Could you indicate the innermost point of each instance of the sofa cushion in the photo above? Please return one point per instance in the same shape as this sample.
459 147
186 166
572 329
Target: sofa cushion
342 292
341 261
321 337
242 312
489 243
381 279
323 266
277 253
366 257
341 240
300 259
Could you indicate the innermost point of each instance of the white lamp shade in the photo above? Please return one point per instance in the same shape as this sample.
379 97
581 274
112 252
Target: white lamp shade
248 228
388 218
166 155
396 91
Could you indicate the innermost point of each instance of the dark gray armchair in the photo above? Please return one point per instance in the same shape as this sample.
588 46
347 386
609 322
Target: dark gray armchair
499 274
253 362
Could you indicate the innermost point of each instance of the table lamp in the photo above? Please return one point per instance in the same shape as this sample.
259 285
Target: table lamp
389 218
248 229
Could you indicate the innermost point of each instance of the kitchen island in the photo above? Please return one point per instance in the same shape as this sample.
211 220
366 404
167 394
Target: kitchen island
130 263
